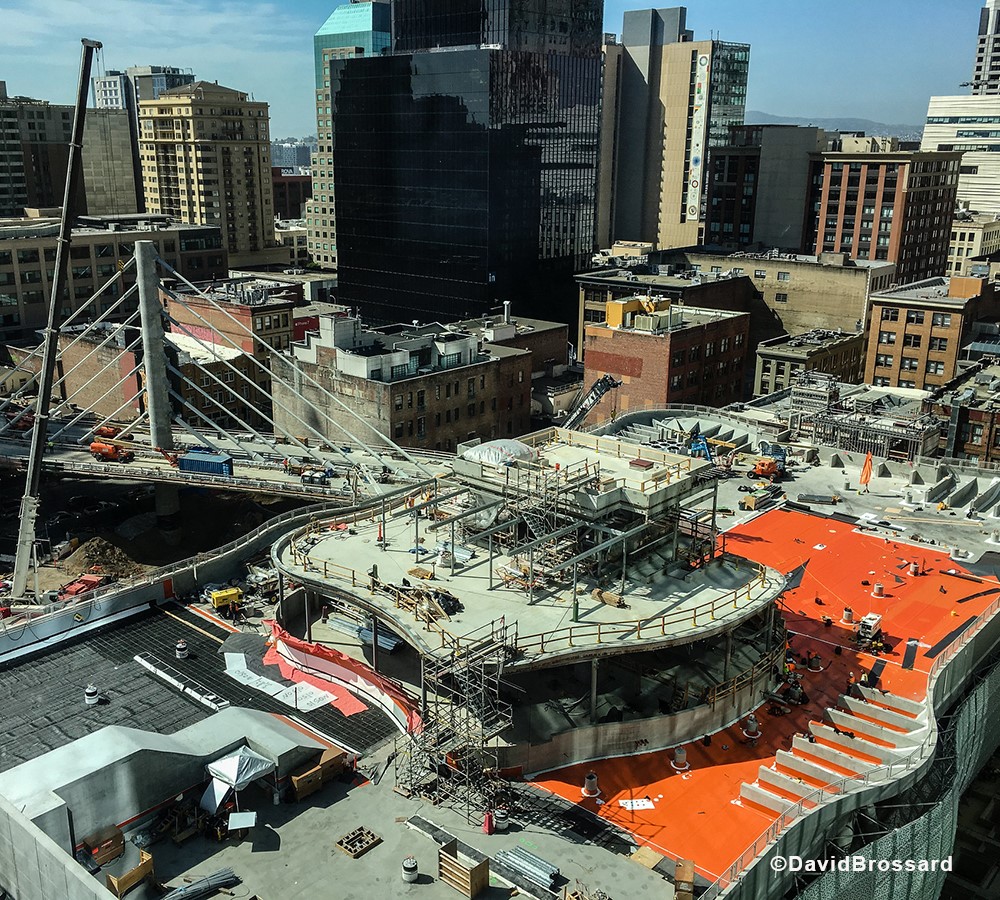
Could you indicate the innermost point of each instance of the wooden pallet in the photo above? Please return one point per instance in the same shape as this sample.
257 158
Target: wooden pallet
358 842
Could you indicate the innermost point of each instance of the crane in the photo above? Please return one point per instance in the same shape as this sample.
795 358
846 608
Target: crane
74 172
597 390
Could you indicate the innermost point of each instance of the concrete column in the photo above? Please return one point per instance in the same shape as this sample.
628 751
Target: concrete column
729 656
281 600
157 385
375 643
576 600
593 690
307 606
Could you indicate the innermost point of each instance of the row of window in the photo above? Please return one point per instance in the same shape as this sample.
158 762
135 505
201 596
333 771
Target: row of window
916 317
909 364
913 340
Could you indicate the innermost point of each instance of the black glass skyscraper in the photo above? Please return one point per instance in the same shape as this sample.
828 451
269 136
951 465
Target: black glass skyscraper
465 162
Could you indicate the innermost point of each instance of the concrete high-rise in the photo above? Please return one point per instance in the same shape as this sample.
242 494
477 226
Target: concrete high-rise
758 186
970 124
205 152
353 29
125 90
675 99
465 162
986 75
34 153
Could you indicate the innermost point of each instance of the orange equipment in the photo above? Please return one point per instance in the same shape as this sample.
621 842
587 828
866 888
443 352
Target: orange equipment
111 452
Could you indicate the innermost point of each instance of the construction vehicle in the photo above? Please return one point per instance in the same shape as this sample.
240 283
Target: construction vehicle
766 467
700 447
25 423
597 390
225 597
870 628
82 585
111 452
168 456
107 431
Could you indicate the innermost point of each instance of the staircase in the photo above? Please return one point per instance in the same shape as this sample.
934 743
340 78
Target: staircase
856 738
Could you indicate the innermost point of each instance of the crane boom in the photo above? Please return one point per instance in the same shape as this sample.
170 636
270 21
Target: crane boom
74 168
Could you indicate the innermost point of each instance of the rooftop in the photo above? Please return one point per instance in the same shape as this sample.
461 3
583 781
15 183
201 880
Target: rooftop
940 291
809 342
837 260
198 352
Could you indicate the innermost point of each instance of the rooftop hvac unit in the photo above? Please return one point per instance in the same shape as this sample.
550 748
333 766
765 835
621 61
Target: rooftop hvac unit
645 323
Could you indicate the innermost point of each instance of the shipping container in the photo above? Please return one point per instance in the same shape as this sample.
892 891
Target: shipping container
207 464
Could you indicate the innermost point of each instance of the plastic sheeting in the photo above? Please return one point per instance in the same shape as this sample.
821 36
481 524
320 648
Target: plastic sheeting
499 453
240 768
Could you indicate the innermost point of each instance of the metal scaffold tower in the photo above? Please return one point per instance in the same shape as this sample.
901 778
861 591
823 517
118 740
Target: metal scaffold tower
454 756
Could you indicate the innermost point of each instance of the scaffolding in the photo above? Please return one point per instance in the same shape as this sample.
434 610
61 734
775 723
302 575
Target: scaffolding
453 757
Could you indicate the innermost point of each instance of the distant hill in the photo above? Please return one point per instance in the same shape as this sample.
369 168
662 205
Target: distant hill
907 132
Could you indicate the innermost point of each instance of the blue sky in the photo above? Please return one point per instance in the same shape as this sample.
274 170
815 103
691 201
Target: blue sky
875 59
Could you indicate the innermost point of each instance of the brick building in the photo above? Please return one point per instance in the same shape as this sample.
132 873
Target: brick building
665 353
729 292
872 204
102 373
429 386
969 411
917 330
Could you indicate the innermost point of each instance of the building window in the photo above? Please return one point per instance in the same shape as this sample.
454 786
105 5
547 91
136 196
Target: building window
784 276
977 434
939 344
887 337
909 364
941 320
421 427
915 317
760 273
398 401
780 298
890 315
935 368
911 340
409 400
421 399
883 361
676 382
398 431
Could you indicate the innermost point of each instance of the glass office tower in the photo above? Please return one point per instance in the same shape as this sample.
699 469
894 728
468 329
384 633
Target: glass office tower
465 162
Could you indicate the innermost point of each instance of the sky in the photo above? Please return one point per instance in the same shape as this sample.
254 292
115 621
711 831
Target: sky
872 59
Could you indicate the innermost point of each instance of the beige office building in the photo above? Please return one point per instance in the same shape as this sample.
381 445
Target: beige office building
674 99
206 159
972 235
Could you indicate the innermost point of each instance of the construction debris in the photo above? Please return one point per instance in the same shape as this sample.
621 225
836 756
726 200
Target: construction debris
102 556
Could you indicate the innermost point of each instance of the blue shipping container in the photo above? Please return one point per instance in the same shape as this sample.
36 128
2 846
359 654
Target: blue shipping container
207 464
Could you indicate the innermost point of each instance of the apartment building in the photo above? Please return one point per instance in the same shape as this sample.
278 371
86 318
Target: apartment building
101 246
205 154
972 235
917 330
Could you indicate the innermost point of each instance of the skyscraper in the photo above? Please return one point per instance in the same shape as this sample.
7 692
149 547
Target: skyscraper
675 100
986 76
359 28
206 160
465 161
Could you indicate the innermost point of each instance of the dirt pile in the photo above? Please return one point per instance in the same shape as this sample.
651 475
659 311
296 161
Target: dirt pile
110 559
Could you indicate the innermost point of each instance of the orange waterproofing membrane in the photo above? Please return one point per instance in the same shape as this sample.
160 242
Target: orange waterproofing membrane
698 814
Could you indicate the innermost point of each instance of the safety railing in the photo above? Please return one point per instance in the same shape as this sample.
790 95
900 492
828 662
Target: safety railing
878 775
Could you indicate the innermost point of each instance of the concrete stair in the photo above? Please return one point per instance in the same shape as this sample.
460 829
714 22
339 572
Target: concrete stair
886 729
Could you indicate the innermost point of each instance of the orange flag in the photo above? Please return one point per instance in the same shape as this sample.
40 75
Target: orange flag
866 470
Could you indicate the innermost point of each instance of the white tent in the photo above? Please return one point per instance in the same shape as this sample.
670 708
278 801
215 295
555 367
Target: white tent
501 452
233 772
